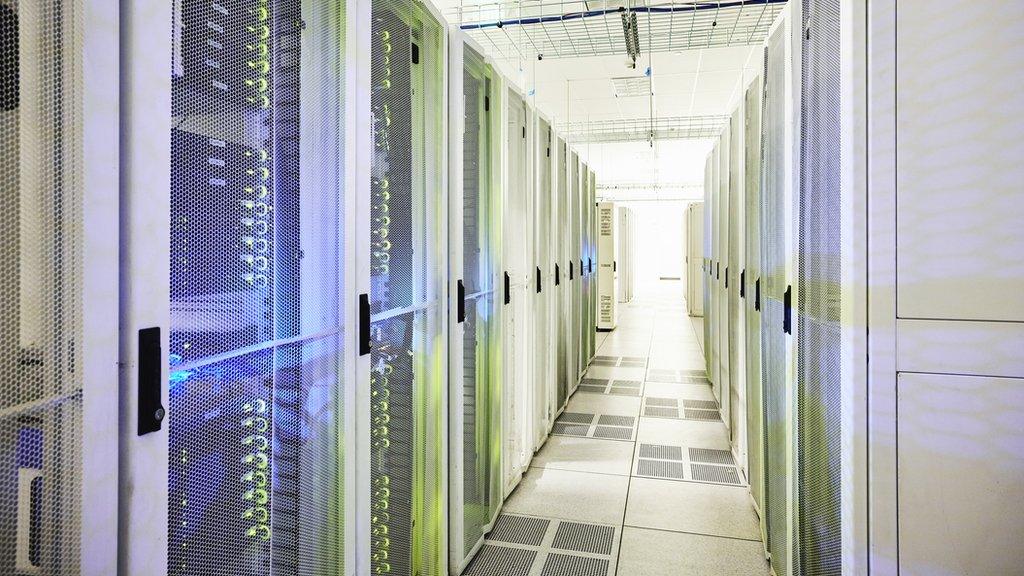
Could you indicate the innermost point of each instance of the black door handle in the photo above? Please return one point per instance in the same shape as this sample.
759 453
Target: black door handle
615 265
743 283
787 310
571 273
364 324
558 277
461 304
538 279
757 295
508 289
726 277
151 411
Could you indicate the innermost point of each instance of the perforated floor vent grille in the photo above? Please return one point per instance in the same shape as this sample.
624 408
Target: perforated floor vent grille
705 415
570 429
701 404
663 402
576 418
579 537
606 420
613 432
710 456
494 560
661 452
519 530
711 473
660 469
568 565
660 412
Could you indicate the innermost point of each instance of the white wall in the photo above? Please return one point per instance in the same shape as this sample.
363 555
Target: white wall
660 241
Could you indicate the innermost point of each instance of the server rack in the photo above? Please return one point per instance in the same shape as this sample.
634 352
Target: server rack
235 229
624 262
820 290
592 265
752 303
474 313
403 367
708 277
58 289
723 385
585 269
572 256
608 273
737 392
544 154
776 298
695 277
563 308
518 255
713 343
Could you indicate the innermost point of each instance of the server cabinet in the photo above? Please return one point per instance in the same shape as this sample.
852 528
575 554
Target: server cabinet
723 385
563 310
708 277
237 219
585 284
752 302
58 288
695 277
776 298
626 257
406 251
713 344
517 260
737 393
474 327
572 254
608 273
543 384
821 255
592 266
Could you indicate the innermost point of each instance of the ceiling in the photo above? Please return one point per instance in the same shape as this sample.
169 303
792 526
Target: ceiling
703 82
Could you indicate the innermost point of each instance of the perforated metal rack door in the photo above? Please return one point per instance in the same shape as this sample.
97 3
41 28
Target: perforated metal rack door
563 308
709 264
575 291
542 248
406 259
773 340
479 359
737 343
41 284
714 343
256 393
752 215
724 382
584 277
819 292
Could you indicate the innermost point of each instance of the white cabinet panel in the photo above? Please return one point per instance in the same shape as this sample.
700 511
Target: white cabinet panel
960 178
961 475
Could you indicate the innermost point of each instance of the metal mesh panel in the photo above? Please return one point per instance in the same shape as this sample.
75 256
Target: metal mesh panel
40 289
773 261
819 285
562 275
255 471
478 364
407 107
713 343
723 230
576 285
731 402
752 255
709 260
542 259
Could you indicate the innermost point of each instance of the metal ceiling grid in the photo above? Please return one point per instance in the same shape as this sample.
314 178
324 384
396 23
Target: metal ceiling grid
571 28
644 129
